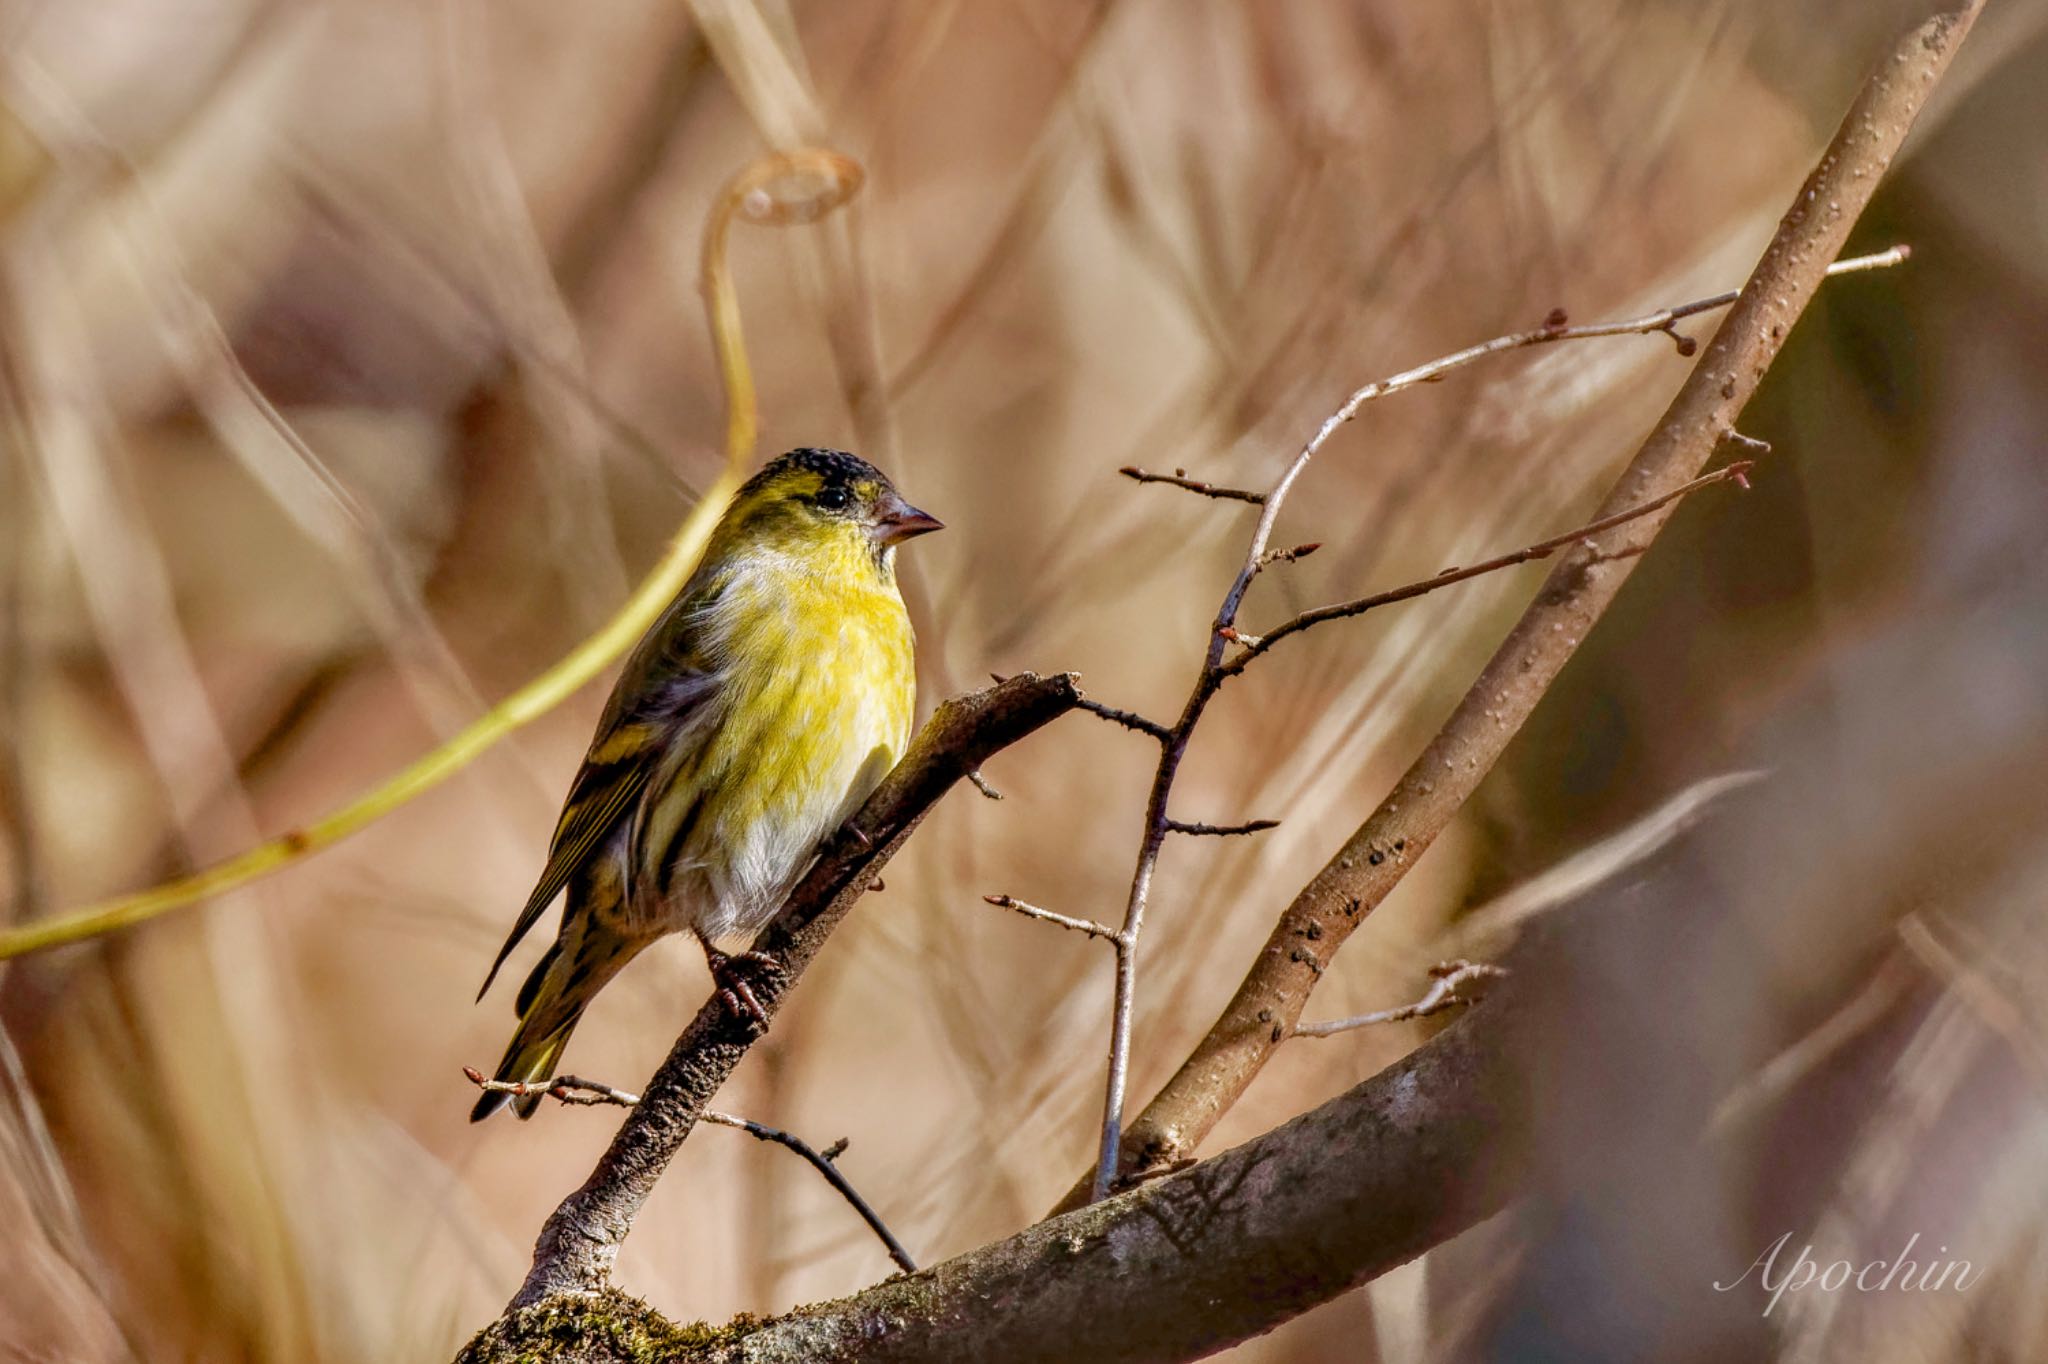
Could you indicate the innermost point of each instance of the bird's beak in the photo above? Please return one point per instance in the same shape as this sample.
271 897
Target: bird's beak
899 521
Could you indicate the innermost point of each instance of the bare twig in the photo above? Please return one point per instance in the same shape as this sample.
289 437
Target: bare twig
824 1162
1269 1002
1130 720
1179 479
1029 911
581 1239
1255 645
571 1089
1250 826
981 785
1454 983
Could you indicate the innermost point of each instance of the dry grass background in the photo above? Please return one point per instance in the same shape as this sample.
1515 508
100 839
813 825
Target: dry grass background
355 368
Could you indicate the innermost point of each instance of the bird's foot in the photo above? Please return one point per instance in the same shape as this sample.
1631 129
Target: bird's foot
735 977
847 835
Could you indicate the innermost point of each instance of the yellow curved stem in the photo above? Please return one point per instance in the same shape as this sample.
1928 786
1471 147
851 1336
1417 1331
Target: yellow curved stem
786 187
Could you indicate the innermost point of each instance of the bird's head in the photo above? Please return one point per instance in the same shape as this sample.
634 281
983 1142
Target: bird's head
811 501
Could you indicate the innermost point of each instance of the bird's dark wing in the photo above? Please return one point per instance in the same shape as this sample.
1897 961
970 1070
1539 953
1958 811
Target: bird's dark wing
639 726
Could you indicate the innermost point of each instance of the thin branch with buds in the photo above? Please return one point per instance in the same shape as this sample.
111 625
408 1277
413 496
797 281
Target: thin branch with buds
1179 479
1454 983
1250 826
1030 911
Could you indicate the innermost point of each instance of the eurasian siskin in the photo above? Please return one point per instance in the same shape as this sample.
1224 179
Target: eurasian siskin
758 713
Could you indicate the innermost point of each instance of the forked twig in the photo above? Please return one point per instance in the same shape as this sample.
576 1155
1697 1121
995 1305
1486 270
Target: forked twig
572 1089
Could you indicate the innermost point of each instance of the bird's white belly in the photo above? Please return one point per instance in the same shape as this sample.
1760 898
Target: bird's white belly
795 748
752 866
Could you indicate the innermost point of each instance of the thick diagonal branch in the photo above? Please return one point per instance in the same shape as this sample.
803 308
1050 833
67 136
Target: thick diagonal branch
581 1238
1269 1001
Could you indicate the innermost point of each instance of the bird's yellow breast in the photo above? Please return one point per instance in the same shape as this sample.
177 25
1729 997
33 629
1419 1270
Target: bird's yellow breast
816 689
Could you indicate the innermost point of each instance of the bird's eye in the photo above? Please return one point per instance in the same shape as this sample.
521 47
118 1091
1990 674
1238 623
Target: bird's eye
833 499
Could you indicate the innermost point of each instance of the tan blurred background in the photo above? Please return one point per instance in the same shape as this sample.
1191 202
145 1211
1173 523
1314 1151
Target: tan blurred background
354 369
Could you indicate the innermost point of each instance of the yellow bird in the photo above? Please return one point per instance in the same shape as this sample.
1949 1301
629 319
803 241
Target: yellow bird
761 709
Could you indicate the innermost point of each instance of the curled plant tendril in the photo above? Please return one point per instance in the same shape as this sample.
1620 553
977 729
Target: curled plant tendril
777 190
781 189
786 189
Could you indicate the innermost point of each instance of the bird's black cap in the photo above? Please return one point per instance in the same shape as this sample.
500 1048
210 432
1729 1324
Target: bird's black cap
834 466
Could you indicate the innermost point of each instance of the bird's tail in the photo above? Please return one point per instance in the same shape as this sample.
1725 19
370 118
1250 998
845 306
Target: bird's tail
529 1060
550 1004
